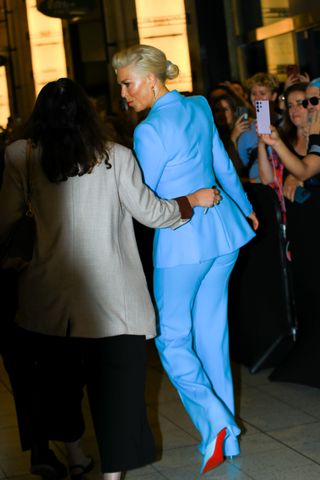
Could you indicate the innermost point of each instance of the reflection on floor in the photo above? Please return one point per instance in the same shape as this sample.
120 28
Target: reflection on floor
280 441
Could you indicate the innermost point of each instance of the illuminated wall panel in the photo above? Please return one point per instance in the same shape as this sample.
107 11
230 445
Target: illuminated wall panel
162 24
280 50
4 98
47 48
274 10
280 53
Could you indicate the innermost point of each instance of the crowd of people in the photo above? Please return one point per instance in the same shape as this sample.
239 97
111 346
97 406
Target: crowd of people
287 160
84 293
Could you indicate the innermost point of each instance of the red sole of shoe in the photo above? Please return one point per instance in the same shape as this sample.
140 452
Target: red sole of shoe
217 457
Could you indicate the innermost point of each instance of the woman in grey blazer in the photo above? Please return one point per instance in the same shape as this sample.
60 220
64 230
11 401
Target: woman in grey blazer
84 296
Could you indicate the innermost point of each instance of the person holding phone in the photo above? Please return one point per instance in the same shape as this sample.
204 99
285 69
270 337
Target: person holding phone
231 120
301 365
295 136
294 75
262 86
308 166
178 146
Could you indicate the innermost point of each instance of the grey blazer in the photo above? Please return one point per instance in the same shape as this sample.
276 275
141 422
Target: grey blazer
86 277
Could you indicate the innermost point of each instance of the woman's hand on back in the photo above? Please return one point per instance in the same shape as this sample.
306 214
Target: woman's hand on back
205 197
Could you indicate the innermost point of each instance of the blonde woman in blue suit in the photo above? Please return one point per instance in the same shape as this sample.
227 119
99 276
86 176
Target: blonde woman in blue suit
179 151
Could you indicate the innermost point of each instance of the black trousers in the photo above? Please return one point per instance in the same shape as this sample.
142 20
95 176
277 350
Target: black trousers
48 376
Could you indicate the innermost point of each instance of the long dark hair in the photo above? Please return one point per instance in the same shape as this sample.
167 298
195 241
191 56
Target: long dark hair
289 131
66 126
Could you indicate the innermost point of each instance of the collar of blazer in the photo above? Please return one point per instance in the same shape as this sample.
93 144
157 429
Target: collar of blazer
166 99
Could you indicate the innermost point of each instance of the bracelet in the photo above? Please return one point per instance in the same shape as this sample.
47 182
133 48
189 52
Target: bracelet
314 139
314 144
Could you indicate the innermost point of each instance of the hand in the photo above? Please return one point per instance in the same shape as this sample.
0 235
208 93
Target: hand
304 78
314 125
270 139
205 197
291 80
254 220
290 186
240 126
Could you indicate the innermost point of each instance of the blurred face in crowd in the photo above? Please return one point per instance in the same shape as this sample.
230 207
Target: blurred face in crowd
239 89
312 93
297 113
136 88
261 92
223 113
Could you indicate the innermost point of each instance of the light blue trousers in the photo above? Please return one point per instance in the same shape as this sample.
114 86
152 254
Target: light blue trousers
193 343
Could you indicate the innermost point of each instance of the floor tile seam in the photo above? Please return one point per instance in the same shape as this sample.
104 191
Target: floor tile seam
287 404
244 384
240 470
178 426
293 449
292 426
268 432
159 471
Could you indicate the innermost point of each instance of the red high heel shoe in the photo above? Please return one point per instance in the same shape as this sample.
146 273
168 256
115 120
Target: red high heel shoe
214 455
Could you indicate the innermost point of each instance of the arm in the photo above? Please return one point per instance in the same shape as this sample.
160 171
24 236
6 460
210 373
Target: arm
12 198
148 209
290 186
304 169
266 174
226 174
240 126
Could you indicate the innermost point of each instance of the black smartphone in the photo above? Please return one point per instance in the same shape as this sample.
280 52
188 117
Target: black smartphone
293 70
242 111
301 195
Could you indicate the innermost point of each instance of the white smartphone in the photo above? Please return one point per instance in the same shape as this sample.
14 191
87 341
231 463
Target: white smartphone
263 116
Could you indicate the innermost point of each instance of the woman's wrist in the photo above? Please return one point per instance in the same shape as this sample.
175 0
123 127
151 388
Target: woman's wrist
314 144
234 137
314 139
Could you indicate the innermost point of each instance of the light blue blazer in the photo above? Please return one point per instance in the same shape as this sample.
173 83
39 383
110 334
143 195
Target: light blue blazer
180 151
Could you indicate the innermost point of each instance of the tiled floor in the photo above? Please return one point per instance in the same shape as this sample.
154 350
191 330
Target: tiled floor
280 441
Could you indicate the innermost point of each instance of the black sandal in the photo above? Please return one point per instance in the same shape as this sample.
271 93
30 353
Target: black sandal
77 471
49 467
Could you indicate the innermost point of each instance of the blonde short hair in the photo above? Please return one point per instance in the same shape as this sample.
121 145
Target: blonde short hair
265 79
146 59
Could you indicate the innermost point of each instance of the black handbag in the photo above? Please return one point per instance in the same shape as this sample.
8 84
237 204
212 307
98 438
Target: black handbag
17 250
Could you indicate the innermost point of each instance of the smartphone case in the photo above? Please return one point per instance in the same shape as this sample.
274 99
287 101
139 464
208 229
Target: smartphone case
263 116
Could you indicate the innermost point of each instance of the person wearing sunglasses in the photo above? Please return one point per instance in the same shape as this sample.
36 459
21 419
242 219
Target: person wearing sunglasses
301 365
309 166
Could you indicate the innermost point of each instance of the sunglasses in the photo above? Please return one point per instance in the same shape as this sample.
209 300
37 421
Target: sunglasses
313 101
